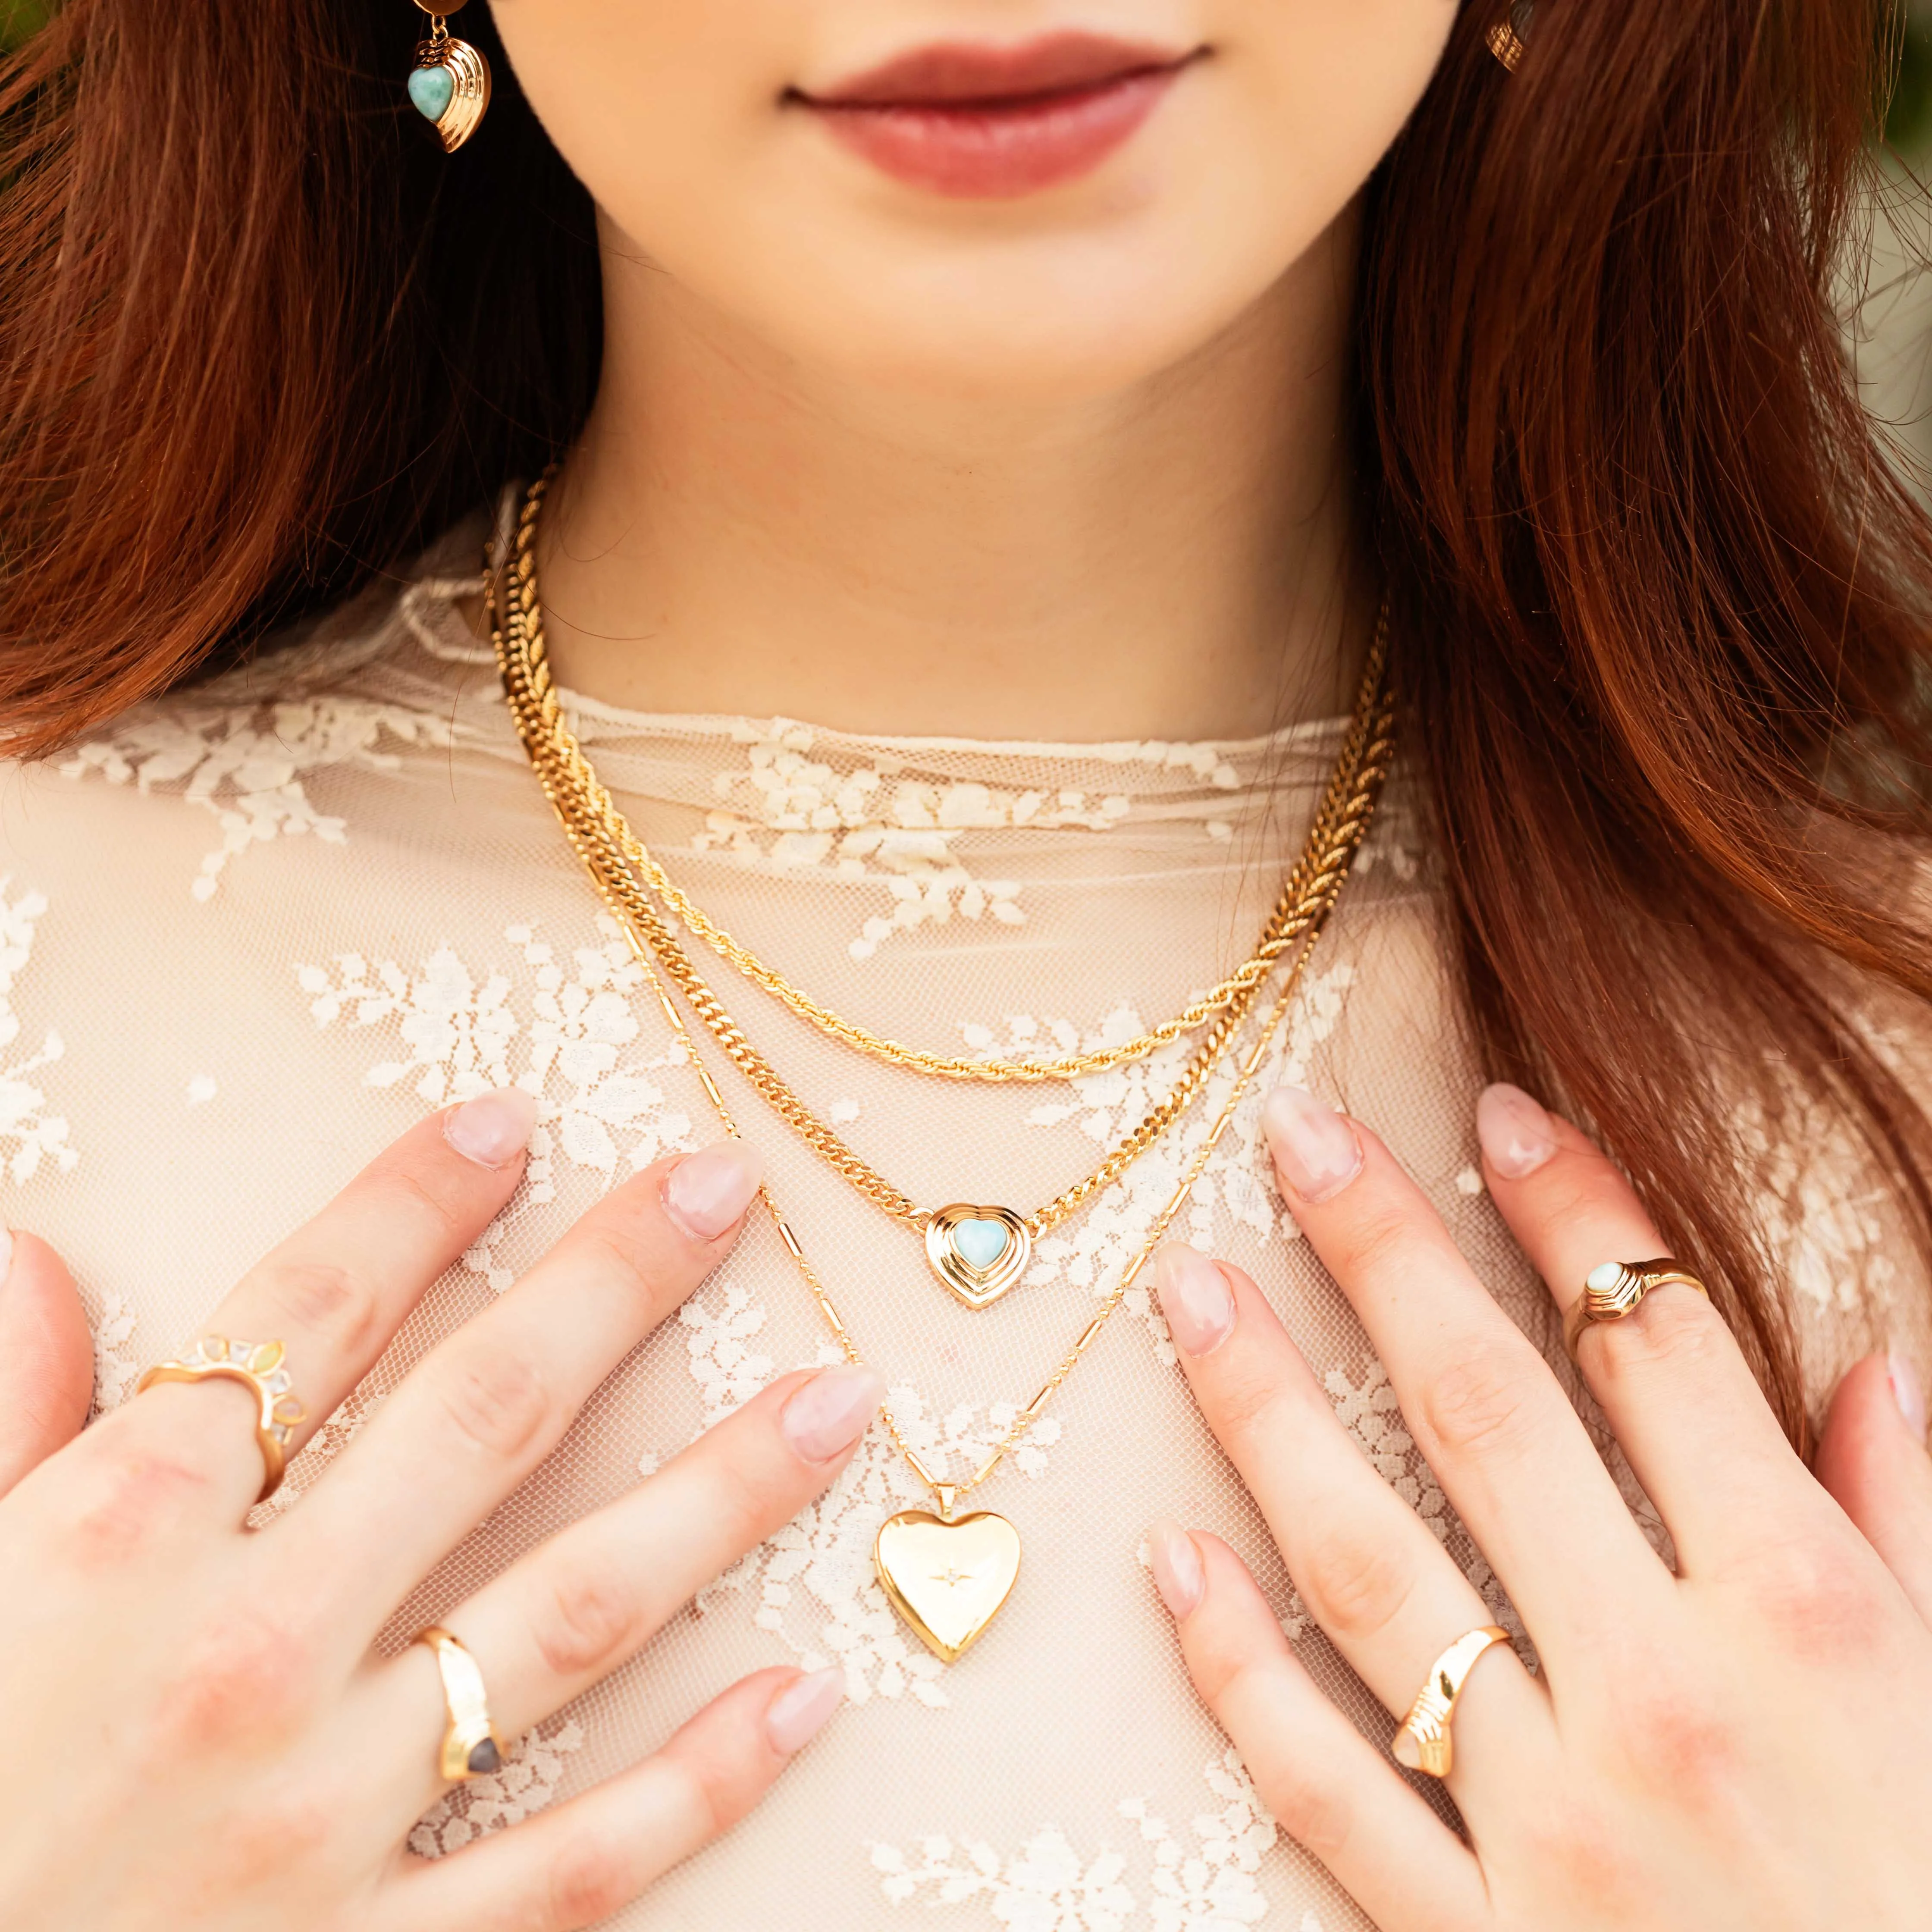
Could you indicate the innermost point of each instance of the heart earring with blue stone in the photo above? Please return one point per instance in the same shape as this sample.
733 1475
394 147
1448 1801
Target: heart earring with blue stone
450 87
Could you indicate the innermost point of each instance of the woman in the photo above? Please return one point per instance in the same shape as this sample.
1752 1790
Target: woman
1111 428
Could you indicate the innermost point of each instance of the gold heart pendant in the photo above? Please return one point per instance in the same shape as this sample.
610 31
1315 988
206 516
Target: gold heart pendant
978 1253
947 1579
450 88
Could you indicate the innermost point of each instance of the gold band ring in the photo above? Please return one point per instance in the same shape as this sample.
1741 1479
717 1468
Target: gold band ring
1612 1290
1423 1741
470 1747
257 1366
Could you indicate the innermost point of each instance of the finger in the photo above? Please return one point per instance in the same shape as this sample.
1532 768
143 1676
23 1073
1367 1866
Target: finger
1872 1458
1669 1378
1367 1567
337 1290
1322 1781
572 1610
473 1418
1493 1421
576 1864
47 1357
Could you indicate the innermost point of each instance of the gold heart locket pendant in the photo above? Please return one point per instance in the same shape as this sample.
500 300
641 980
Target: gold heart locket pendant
947 1577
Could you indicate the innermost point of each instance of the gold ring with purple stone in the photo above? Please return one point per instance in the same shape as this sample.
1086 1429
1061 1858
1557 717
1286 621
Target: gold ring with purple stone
257 1366
470 1747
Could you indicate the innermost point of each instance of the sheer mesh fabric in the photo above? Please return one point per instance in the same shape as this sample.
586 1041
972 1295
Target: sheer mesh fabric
253 932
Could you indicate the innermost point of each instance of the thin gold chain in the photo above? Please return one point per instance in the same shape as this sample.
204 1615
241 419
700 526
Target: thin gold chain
604 842
602 855
527 669
949 1493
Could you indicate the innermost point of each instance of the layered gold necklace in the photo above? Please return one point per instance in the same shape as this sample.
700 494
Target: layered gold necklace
946 1574
976 1250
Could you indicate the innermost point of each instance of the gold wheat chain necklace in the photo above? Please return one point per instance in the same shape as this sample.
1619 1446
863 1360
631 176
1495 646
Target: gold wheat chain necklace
976 1250
947 1574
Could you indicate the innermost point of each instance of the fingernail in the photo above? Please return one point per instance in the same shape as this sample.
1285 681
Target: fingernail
1908 1393
1195 1297
1516 1134
831 1411
1176 1565
798 1713
707 1192
493 1128
6 1252
1314 1146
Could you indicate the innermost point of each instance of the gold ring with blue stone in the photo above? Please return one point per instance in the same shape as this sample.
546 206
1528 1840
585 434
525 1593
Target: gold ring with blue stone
1613 1290
470 1747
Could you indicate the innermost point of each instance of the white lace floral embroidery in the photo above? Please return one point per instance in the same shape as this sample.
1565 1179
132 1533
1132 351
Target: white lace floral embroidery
567 1034
115 1368
245 763
533 1767
28 1133
1238 1180
1048 1886
865 818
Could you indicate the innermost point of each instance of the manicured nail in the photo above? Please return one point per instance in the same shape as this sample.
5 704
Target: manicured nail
798 1713
6 1252
707 1192
1195 1297
1908 1393
1516 1134
830 1412
1176 1564
1314 1146
493 1128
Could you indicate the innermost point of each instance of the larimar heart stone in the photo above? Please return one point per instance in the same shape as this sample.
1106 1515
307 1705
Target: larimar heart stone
431 89
980 1243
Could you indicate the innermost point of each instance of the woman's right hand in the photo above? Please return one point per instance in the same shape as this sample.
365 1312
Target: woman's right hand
198 1732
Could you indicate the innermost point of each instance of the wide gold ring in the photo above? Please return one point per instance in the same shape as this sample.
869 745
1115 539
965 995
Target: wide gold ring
257 1366
470 1746
1423 1741
1612 1290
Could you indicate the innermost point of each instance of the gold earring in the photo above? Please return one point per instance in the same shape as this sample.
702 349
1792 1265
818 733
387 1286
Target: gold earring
1507 38
450 87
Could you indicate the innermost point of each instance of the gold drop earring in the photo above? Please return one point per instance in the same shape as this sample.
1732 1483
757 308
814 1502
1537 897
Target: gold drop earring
1508 36
450 87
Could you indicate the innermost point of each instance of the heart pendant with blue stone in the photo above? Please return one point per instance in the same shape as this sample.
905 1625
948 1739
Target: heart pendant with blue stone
450 87
977 1253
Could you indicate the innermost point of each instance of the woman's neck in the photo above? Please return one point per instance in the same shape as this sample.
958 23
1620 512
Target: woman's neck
734 534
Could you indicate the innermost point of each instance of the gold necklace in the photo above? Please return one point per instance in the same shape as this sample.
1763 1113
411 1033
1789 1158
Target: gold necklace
947 1575
1278 936
977 1251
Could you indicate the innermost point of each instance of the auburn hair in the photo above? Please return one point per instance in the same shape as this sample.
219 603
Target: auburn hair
1660 597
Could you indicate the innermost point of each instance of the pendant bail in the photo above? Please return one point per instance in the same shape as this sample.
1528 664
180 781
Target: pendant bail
948 1494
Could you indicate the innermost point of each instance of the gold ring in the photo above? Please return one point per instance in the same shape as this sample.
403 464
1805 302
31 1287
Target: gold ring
257 1366
1612 1290
471 1747
1423 1741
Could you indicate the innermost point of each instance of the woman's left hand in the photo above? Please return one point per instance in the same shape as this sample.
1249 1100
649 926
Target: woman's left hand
1744 1744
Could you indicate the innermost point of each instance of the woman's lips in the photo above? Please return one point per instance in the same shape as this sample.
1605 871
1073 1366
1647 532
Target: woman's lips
990 122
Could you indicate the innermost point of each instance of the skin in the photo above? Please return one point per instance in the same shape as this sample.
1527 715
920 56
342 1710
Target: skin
1729 1746
872 457
1069 465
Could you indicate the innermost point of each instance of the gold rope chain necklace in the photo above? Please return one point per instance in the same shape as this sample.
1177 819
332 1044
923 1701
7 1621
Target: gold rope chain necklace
977 1251
1278 937
947 1575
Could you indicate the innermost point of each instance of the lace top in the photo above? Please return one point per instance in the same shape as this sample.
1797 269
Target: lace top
251 932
